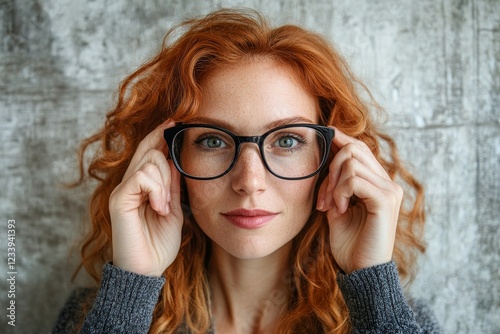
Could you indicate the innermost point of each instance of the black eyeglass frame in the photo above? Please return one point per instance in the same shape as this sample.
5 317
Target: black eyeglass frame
170 134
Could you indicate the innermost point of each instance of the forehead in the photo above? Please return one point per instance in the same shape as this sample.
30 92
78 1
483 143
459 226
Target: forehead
255 92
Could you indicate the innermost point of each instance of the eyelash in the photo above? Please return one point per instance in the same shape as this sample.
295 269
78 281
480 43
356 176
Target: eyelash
299 139
205 137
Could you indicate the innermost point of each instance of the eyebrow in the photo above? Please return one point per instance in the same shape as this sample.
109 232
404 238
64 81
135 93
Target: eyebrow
290 120
230 127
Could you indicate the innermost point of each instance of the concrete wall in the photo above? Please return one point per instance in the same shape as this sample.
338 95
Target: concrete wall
434 65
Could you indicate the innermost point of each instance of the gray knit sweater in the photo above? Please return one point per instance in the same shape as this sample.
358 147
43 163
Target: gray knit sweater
125 304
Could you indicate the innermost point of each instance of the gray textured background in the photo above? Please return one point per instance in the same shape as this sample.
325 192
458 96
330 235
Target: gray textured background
434 65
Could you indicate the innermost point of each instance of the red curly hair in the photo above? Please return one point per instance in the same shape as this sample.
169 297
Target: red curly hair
167 87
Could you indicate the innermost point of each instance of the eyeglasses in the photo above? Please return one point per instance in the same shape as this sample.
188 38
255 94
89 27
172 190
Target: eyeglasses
290 152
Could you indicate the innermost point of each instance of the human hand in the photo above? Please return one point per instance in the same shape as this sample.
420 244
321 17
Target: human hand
145 209
363 234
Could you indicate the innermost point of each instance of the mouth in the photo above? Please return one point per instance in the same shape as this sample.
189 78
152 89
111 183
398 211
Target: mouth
249 219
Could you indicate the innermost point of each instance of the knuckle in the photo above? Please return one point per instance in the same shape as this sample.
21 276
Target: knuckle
142 177
395 193
363 146
144 143
148 168
115 196
140 149
350 147
398 190
140 174
356 148
350 166
156 155
351 181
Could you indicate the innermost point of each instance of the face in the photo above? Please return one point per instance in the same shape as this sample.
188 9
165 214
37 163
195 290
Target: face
250 213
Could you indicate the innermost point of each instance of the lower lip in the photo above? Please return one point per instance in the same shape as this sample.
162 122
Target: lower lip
249 222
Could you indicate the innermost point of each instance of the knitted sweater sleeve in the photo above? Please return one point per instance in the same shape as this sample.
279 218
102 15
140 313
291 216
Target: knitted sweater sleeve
377 304
124 304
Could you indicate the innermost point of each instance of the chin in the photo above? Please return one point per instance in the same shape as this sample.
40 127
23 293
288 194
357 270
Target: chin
252 249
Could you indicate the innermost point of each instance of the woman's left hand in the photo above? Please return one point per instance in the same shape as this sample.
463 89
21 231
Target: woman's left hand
363 234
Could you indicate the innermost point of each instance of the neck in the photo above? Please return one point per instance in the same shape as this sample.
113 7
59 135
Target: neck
248 295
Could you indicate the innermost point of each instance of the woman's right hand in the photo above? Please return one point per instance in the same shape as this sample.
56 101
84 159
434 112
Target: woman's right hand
145 209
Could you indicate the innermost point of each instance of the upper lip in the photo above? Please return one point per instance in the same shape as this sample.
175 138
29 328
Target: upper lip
248 212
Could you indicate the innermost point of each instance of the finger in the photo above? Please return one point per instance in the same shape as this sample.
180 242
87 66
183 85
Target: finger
158 198
325 201
345 190
153 171
352 168
140 187
373 197
158 159
351 148
360 149
342 139
175 188
154 140
320 198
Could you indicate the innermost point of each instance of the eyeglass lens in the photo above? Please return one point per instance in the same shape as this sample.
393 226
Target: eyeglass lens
292 152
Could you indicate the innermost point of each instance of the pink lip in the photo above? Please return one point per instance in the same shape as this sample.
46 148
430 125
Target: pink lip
249 219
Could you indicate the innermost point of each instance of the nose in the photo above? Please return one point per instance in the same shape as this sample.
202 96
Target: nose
249 175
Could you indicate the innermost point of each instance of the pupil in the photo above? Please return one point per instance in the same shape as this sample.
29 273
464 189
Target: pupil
286 142
213 142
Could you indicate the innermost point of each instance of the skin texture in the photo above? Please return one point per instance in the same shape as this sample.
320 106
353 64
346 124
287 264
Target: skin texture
145 210
248 265
243 99
362 235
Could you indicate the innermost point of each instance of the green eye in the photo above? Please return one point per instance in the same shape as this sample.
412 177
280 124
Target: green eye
287 142
212 142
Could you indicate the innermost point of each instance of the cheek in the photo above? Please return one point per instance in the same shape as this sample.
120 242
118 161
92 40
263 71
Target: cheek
305 191
203 194
295 196
298 196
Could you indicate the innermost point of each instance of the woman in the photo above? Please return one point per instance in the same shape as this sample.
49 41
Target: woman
243 190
